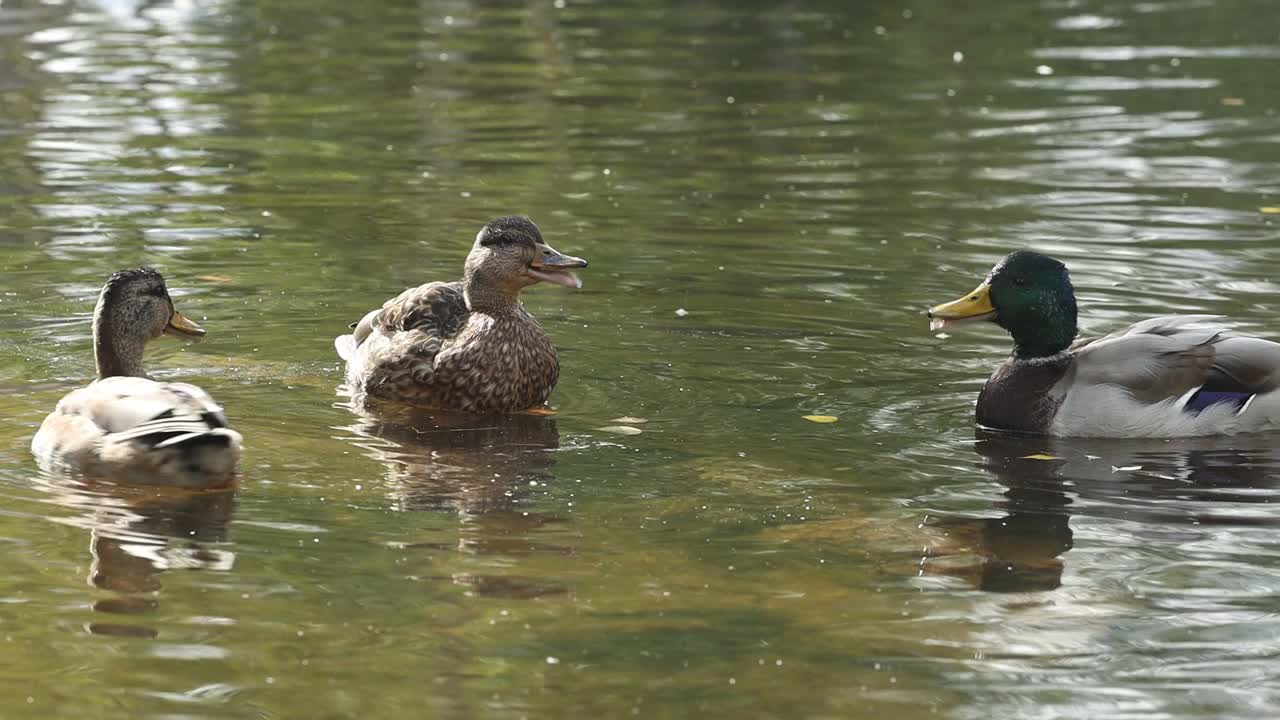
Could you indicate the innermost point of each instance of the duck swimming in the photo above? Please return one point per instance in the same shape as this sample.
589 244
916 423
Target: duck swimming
1174 376
126 427
468 345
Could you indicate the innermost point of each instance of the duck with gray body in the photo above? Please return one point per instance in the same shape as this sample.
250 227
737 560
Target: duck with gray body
126 427
468 345
1174 376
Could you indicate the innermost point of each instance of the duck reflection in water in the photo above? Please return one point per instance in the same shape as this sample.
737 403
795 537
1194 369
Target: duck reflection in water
1192 481
136 535
486 469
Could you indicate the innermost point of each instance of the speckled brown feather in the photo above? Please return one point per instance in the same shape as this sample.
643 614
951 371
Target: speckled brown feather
426 348
467 345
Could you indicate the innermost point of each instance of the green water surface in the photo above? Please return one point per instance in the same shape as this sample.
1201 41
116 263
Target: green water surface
769 195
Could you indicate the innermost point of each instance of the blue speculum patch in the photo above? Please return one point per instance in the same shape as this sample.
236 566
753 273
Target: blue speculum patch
1204 398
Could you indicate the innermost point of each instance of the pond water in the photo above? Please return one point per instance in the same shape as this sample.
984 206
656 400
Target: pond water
769 195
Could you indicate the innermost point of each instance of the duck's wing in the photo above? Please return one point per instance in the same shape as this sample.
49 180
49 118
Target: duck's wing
1169 377
134 408
404 335
1168 357
1245 364
1152 360
437 308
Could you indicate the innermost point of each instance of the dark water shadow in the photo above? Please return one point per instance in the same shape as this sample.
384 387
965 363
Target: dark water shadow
487 470
1193 481
137 535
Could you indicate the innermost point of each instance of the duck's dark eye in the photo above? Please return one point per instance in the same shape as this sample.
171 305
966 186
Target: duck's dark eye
156 291
1019 281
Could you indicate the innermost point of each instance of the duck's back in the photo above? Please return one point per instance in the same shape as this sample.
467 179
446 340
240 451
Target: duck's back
391 353
137 430
426 347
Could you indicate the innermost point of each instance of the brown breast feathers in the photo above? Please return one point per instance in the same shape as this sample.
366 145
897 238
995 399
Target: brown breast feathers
1018 397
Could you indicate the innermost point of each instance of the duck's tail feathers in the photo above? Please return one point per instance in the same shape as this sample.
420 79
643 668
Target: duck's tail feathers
218 437
174 431
345 345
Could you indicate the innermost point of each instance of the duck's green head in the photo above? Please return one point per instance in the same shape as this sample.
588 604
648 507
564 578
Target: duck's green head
1026 293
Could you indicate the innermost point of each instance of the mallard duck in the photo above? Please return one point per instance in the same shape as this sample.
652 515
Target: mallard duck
467 345
125 426
1176 376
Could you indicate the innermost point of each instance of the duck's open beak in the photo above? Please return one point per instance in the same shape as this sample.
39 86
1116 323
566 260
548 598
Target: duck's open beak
550 266
974 306
180 326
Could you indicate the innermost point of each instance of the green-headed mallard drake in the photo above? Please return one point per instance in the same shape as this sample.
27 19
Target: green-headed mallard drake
1176 376
467 345
125 426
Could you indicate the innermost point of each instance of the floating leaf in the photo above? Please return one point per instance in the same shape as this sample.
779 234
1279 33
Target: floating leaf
629 420
1040 456
1232 101
821 418
540 411
214 278
1269 210
620 429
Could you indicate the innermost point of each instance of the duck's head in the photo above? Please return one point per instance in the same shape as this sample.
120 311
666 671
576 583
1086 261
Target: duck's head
134 308
1026 293
509 255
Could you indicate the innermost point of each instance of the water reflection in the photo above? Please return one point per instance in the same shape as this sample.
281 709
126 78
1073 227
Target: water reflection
137 535
475 465
1195 481
486 469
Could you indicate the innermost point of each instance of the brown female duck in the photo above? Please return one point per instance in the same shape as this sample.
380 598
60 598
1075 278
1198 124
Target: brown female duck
468 345
126 426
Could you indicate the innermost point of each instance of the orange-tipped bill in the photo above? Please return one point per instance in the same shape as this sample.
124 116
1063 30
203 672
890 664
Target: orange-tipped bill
974 306
180 326
550 266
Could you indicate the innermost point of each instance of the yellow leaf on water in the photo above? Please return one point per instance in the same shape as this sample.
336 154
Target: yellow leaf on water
1232 101
1269 210
629 420
214 278
1040 456
821 418
621 430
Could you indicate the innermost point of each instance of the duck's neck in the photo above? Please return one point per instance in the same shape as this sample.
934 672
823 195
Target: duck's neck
490 300
116 351
1044 341
1042 328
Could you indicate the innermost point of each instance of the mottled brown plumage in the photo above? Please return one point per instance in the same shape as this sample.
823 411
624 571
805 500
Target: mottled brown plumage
466 345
